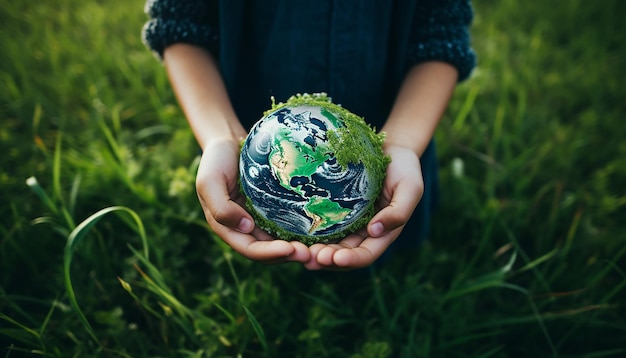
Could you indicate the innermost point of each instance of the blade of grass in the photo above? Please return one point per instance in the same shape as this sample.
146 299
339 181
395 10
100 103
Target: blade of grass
126 286
56 181
257 328
240 288
74 238
572 231
23 327
538 261
158 286
468 104
618 287
491 352
610 266
532 267
33 184
491 280
378 297
482 244
74 194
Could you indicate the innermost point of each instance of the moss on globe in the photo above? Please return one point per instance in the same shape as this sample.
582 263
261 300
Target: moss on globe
311 170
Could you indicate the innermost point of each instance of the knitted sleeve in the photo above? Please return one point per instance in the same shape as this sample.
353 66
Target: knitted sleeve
441 32
188 21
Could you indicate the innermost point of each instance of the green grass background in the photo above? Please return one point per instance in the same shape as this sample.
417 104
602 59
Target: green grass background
526 259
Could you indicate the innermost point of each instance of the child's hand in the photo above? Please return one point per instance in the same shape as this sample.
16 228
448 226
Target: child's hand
222 203
402 191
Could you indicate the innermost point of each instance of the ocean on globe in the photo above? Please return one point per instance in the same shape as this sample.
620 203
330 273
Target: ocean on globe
311 170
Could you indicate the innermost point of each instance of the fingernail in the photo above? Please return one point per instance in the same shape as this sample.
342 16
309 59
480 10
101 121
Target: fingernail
245 225
377 229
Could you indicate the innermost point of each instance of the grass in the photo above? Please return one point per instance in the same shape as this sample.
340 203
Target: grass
104 251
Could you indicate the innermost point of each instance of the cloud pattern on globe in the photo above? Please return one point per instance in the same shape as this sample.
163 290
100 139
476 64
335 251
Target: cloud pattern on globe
301 181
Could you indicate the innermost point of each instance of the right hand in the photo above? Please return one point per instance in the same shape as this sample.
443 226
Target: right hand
223 206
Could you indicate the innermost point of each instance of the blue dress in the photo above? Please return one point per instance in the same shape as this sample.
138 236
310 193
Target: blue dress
356 51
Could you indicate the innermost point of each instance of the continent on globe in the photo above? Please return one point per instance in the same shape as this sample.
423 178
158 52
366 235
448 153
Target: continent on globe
311 170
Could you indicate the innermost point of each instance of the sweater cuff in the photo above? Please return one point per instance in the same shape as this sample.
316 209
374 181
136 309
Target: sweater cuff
158 34
442 34
459 55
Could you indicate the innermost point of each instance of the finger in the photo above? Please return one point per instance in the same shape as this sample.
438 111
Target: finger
217 203
366 253
325 255
226 212
250 246
256 250
216 185
322 254
403 202
300 254
312 264
261 235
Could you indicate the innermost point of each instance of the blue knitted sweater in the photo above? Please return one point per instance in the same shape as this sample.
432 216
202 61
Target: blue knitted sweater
356 51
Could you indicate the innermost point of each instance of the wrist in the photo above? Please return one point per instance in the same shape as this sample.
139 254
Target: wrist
416 142
224 136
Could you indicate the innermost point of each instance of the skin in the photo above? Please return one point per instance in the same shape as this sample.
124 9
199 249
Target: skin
419 106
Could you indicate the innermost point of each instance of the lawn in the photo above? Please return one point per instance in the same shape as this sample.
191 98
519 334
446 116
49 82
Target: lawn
104 250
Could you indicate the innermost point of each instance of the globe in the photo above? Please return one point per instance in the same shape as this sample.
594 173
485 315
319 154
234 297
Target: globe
311 170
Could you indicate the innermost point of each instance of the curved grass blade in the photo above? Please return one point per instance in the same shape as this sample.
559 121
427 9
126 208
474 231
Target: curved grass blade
74 238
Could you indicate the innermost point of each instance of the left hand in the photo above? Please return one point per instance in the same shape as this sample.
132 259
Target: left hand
402 190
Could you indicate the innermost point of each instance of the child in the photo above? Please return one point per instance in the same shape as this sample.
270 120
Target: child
395 63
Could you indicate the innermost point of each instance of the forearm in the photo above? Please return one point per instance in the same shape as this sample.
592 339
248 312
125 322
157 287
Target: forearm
201 93
420 104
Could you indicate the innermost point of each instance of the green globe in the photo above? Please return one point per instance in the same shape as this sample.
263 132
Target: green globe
311 170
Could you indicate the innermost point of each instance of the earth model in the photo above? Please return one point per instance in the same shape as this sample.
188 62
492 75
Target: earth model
311 170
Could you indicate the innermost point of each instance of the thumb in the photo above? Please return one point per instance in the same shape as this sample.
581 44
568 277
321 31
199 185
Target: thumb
405 198
218 206
216 185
